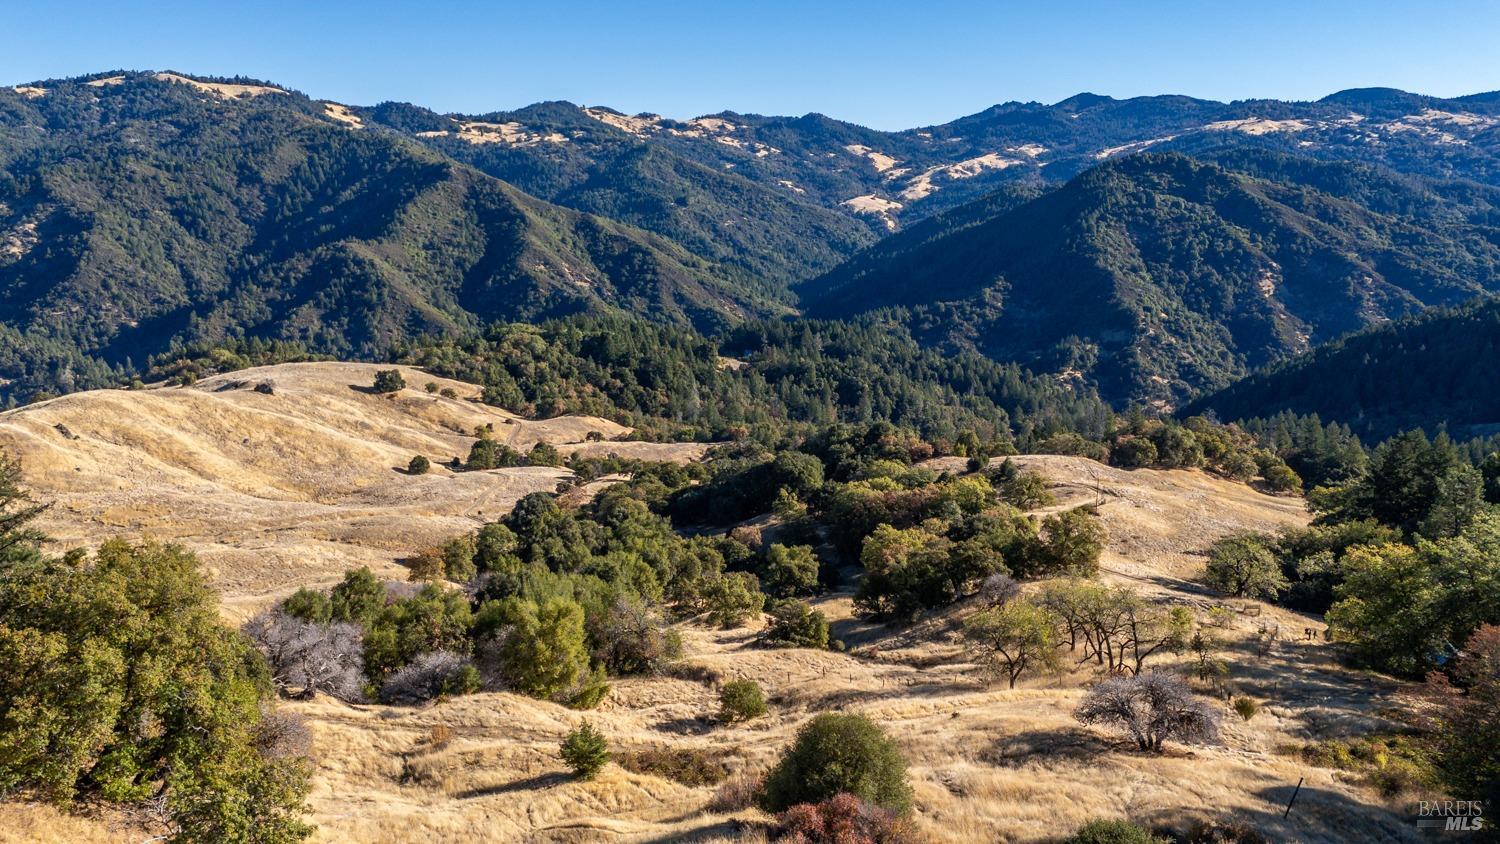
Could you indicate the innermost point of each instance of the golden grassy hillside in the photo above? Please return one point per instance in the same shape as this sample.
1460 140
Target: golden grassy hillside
988 764
288 488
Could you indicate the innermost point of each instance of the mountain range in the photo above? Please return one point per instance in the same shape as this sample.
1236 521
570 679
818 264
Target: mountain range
1156 248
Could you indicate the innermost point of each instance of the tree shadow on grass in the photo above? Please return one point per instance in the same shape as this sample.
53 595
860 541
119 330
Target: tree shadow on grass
1071 744
528 784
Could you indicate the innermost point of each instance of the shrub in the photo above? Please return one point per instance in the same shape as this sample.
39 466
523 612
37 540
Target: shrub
543 454
419 465
488 454
693 767
309 656
741 700
458 558
585 750
308 605
426 566
430 675
834 754
541 649
118 681
1151 708
1222 832
843 819
1134 453
738 793
1281 478
359 597
1246 707
389 381
448 393
1113 832
794 624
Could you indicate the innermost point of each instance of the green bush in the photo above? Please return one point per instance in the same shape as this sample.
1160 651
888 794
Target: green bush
1246 707
1113 832
794 624
389 381
732 598
419 465
741 700
543 650
119 682
585 750
835 754
789 570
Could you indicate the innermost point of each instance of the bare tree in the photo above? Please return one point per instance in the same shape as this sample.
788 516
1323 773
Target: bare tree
428 676
998 589
307 657
1151 708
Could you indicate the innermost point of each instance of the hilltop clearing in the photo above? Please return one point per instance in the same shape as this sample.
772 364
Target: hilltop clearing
288 488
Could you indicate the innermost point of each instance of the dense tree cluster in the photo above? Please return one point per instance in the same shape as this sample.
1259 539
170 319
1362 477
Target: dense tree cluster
119 683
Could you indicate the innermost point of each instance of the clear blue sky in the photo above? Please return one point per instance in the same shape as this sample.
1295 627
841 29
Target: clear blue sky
888 65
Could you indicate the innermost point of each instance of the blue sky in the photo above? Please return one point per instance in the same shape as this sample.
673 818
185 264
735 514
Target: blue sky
888 65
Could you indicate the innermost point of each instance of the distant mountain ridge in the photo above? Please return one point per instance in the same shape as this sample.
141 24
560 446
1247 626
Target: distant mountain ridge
140 212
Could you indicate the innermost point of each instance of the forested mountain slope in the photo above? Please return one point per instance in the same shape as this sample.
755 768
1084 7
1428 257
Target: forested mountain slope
141 210
1437 368
1159 275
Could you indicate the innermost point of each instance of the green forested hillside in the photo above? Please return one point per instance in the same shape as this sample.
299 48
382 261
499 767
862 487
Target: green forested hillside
148 212
1434 369
1159 275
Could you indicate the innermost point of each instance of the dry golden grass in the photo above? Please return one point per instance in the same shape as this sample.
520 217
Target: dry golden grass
987 764
32 823
287 489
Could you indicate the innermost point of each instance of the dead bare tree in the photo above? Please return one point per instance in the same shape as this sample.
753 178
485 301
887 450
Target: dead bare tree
1151 708
307 657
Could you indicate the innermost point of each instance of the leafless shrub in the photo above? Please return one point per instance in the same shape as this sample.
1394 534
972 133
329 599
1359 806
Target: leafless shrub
998 589
428 676
736 793
282 735
307 657
1151 708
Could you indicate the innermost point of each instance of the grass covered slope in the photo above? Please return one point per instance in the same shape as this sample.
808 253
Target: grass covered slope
986 763
1158 275
281 490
